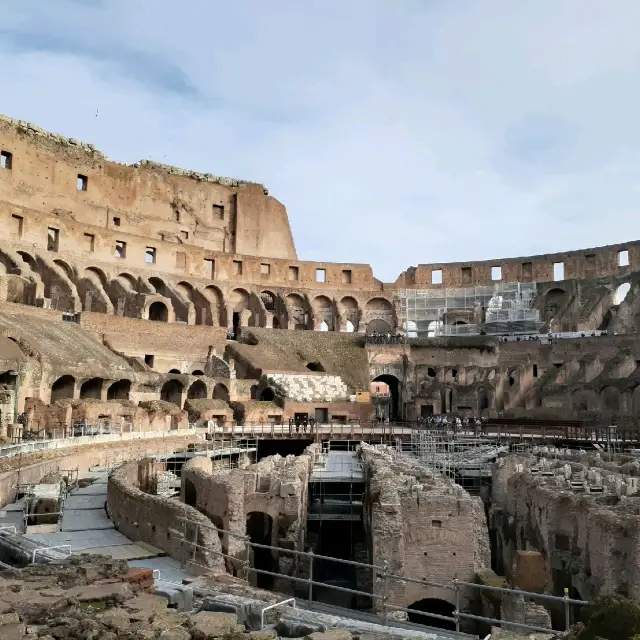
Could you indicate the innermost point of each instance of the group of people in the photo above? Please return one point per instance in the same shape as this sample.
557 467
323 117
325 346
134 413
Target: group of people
386 338
301 424
456 423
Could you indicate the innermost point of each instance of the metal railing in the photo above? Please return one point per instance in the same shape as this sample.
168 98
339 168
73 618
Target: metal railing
381 601
33 446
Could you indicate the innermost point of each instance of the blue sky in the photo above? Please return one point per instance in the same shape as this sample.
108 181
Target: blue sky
396 132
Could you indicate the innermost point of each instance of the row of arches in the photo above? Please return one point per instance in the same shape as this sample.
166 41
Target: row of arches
171 391
91 289
609 399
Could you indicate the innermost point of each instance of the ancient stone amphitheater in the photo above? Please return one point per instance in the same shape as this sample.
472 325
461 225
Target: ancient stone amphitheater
251 445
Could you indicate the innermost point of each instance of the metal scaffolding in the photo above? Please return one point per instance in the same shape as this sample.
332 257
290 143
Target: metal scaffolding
504 307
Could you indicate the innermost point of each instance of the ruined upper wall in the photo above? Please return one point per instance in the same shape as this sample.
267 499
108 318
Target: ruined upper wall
49 173
575 265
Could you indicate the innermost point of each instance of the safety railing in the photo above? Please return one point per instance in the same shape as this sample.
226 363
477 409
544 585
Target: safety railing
288 601
383 607
34 446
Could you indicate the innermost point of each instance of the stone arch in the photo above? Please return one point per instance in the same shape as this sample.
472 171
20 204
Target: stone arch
66 268
210 309
269 300
378 304
197 390
621 293
554 301
172 392
175 371
394 390
379 308
239 300
158 312
92 388
63 387
267 395
296 311
610 399
159 286
127 281
435 328
451 375
322 313
220 392
29 260
197 372
584 400
377 325
119 390
349 312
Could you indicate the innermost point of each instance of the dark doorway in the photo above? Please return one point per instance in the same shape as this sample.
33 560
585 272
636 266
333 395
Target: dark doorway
259 530
322 416
158 312
172 392
236 322
267 395
394 389
433 605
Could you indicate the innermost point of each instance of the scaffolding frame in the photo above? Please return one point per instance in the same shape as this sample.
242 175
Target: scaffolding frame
508 308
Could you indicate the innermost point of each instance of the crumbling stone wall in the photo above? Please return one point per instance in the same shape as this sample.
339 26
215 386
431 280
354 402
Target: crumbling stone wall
580 512
159 521
274 486
421 526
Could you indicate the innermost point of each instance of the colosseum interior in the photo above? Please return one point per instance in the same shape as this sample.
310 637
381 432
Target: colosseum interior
223 426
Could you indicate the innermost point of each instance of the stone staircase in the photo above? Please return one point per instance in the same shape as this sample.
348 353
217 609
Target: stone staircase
310 388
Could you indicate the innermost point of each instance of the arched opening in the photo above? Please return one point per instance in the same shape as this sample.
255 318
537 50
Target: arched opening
323 312
68 271
349 328
610 399
410 329
324 326
621 293
119 390
269 301
127 281
197 372
197 390
483 399
63 388
437 607
92 389
435 328
172 392
349 311
296 311
315 366
446 400
267 395
158 312
158 286
389 407
259 530
220 392
378 326
554 302
174 371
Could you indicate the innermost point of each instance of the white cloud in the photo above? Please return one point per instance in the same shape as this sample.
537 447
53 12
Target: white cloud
394 132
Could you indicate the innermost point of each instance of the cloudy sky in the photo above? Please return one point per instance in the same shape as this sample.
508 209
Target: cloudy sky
396 132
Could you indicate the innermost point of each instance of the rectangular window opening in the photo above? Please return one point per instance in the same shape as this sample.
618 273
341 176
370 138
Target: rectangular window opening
148 360
436 276
218 211
237 267
527 270
116 221
466 275
150 255
321 275
210 268
6 160
294 273
53 239
184 234
558 271
181 260
535 370
82 182
623 258
436 523
89 242
346 276
265 270
17 225
496 273
120 250
176 215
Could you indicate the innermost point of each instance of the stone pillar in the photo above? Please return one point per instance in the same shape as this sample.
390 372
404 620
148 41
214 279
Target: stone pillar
120 306
88 300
